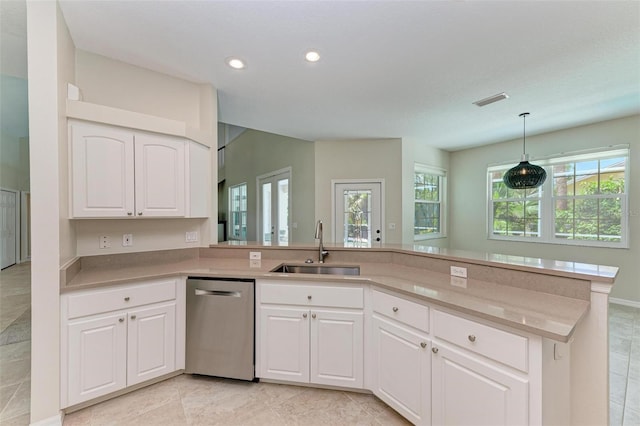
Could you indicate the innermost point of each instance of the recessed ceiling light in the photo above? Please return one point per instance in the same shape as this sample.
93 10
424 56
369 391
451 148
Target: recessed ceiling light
312 56
235 63
491 99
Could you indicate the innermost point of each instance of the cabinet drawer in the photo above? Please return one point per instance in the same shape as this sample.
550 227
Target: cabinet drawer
401 310
306 295
111 299
502 346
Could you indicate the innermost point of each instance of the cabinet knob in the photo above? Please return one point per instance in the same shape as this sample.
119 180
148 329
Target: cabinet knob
395 309
423 344
129 213
472 338
309 297
121 319
434 350
304 315
126 299
313 316
139 213
133 317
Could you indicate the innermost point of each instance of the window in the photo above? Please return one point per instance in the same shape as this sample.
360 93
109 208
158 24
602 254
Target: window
238 212
429 193
582 202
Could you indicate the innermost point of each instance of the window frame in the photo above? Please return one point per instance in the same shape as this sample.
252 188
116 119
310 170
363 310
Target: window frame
231 211
442 195
547 211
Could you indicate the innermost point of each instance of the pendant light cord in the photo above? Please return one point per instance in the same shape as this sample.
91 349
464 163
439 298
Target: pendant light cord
524 133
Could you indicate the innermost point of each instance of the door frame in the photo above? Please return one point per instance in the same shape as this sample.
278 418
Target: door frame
259 231
335 182
25 228
17 229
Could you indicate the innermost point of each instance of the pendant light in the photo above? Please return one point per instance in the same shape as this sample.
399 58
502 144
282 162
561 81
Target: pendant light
524 175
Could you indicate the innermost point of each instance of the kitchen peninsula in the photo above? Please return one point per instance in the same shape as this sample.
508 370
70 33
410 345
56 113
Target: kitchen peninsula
531 333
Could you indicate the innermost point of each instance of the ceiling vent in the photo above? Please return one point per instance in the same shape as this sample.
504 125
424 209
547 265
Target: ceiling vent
491 99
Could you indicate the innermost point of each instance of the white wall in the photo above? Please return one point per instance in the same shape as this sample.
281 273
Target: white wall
360 159
468 198
417 151
50 62
117 84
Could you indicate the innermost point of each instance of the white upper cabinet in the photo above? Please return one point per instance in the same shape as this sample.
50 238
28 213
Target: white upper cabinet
117 172
102 171
160 168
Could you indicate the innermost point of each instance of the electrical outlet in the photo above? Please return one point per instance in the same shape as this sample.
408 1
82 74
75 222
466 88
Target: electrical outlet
191 237
127 240
104 241
255 255
459 271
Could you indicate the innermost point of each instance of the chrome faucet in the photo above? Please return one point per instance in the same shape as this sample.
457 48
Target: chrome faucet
322 253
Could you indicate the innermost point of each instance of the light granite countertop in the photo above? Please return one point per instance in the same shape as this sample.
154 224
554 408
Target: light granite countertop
549 315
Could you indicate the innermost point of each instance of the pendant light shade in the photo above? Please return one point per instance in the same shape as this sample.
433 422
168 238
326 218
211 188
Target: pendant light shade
525 175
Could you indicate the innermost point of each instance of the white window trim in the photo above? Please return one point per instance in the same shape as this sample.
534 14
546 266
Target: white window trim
442 173
547 200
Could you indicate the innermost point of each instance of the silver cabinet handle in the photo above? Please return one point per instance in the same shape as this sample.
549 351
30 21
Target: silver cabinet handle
309 297
423 344
129 214
121 319
434 350
313 316
133 317
126 299
472 338
304 315
395 309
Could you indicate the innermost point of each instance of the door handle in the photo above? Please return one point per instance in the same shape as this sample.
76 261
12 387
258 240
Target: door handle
200 292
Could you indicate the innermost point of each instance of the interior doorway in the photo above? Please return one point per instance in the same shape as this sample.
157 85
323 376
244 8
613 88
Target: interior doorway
358 212
274 207
9 225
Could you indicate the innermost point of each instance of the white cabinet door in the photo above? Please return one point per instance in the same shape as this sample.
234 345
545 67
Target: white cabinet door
151 344
102 171
468 391
97 357
160 175
337 346
284 337
401 361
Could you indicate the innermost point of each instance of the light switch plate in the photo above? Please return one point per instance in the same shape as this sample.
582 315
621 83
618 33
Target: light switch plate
104 241
255 255
459 271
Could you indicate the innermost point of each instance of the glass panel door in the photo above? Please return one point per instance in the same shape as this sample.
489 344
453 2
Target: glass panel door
358 208
275 199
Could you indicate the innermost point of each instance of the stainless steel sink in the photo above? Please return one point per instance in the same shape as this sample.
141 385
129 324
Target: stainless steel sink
317 269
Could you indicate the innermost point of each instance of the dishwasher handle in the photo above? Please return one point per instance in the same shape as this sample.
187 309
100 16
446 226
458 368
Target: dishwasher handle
225 293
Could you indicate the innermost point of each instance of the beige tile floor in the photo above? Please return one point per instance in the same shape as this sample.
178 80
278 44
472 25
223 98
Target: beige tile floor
15 344
196 400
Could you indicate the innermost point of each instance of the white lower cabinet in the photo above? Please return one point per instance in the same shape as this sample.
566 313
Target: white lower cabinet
141 338
401 359
466 391
308 338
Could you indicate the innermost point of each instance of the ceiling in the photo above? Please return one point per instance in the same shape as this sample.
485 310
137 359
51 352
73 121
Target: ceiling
388 68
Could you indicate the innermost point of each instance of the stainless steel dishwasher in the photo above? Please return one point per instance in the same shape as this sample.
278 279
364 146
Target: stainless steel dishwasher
220 327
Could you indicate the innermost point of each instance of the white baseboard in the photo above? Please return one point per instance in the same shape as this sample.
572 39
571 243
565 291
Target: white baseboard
624 302
50 421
